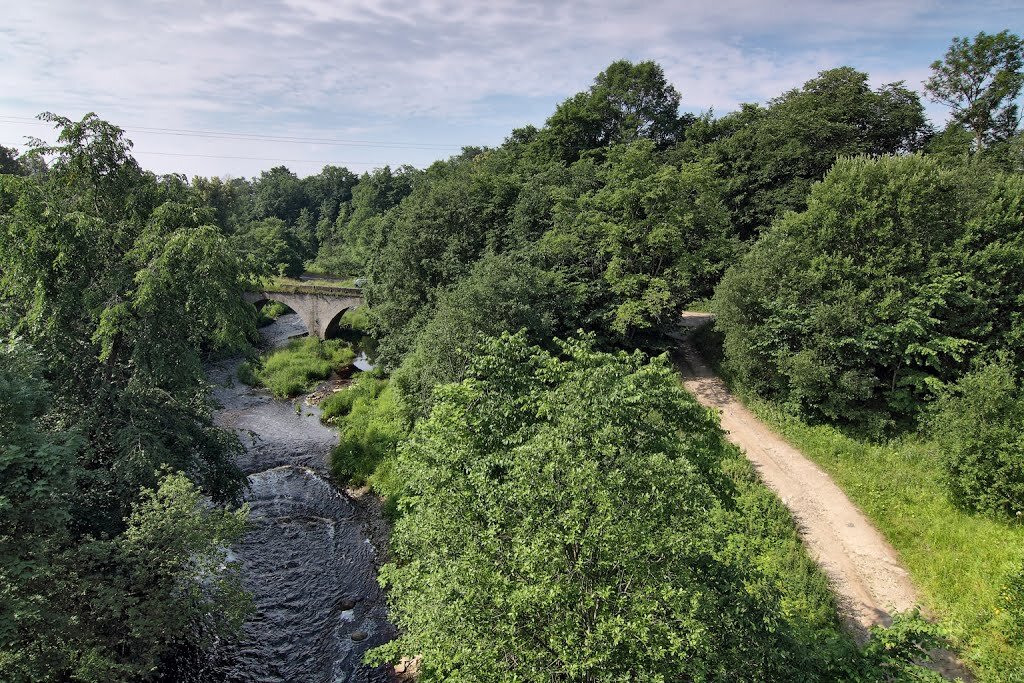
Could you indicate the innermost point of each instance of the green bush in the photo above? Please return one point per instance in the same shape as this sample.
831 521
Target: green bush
866 304
247 374
373 423
979 423
296 368
581 513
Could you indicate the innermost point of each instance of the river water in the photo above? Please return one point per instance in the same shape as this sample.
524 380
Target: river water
307 557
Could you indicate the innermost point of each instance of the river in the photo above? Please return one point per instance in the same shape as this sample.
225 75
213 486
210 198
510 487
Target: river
307 557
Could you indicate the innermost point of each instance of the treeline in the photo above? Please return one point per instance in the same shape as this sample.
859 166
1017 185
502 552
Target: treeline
114 286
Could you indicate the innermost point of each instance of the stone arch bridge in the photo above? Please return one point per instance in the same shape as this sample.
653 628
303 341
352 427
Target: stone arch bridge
319 306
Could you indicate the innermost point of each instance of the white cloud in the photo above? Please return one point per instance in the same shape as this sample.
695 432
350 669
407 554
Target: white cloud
377 68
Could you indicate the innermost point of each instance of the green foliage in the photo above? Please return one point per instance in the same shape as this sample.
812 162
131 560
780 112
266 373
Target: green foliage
893 653
570 515
770 156
9 162
356 319
172 564
99 609
867 303
270 312
373 422
348 242
1013 603
297 368
980 80
34 513
269 248
100 276
959 561
978 422
627 102
121 284
455 211
651 238
505 292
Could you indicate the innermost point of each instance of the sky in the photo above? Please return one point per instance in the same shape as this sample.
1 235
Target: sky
232 88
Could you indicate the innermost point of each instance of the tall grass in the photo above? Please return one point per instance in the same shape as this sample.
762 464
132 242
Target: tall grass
373 422
297 368
271 311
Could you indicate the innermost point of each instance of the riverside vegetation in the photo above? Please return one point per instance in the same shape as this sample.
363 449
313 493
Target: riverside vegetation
562 508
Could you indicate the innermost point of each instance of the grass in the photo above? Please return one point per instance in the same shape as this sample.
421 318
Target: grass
297 368
373 422
959 561
270 312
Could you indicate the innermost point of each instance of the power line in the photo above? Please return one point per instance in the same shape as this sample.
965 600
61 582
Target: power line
296 161
254 137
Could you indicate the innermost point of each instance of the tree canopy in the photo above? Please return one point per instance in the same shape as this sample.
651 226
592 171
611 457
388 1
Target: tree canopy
980 80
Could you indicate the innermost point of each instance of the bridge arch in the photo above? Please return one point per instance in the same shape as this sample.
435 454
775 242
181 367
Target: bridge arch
318 310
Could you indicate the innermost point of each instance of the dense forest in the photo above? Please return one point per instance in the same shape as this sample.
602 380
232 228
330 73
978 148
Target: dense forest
562 509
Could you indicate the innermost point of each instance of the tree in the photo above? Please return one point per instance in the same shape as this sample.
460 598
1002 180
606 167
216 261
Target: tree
99 609
35 465
866 304
652 238
269 248
122 293
457 210
770 156
503 292
979 80
9 163
627 102
278 193
346 242
563 519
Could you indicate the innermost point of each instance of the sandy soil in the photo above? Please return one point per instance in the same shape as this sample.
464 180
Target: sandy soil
866 573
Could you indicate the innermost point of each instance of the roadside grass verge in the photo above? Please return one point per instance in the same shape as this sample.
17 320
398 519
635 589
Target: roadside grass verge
959 561
297 368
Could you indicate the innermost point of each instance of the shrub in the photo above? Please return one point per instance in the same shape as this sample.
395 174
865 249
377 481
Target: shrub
979 423
877 295
372 427
270 312
247 374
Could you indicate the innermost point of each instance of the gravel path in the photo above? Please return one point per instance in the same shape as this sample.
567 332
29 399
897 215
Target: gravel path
866 573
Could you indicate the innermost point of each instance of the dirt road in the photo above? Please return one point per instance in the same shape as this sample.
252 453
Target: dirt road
866 573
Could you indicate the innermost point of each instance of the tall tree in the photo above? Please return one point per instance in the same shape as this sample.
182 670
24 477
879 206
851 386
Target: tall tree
626 102
770 156
122 293
980 80
9 163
